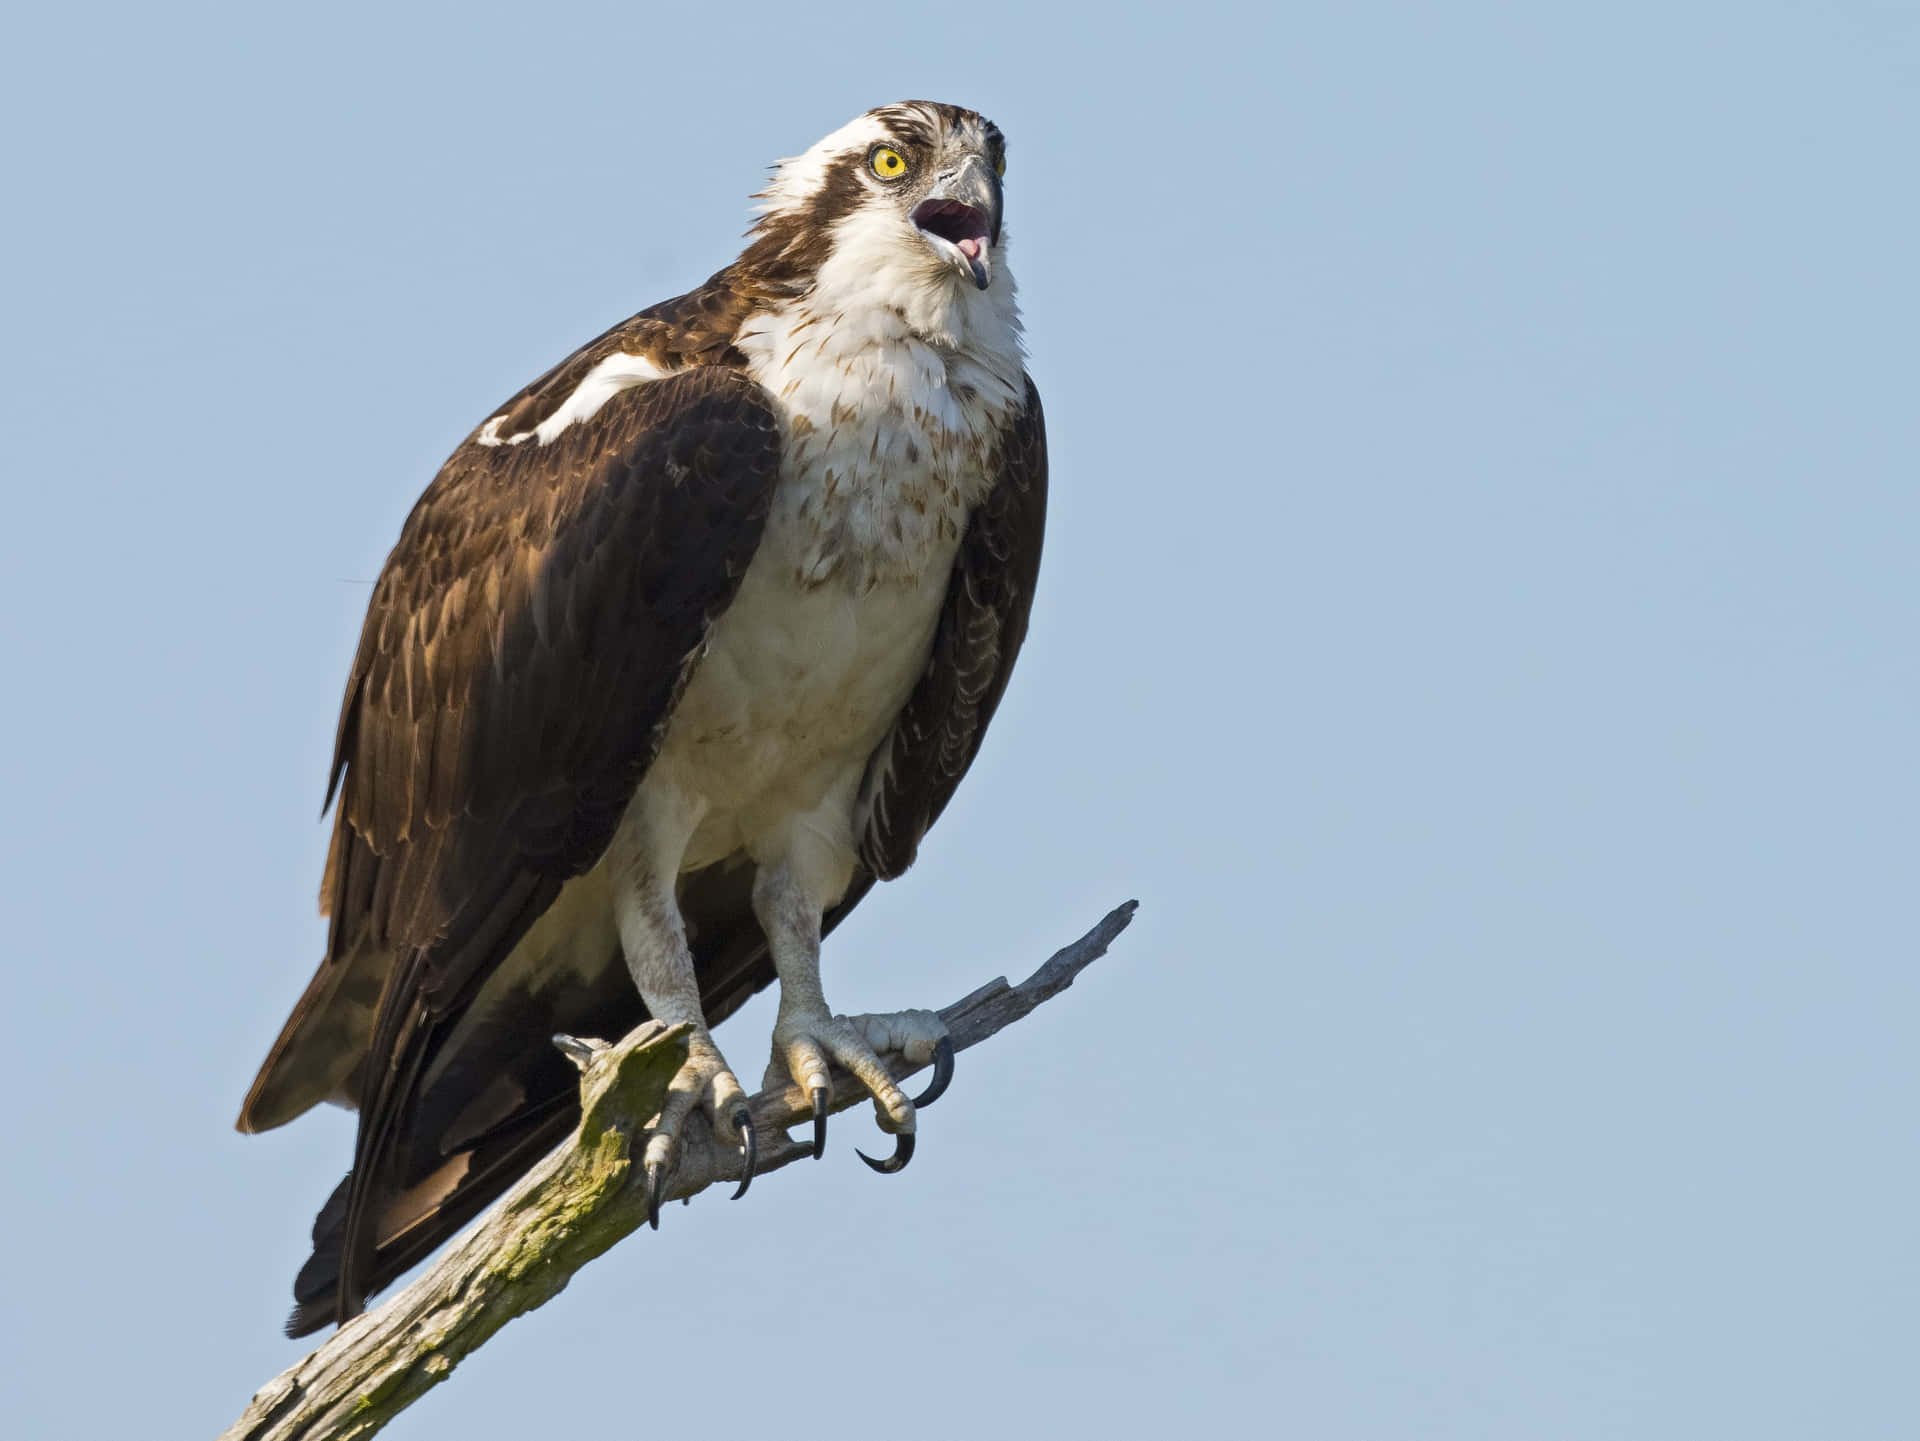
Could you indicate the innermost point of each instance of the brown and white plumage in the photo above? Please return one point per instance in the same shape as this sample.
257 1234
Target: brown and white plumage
685 647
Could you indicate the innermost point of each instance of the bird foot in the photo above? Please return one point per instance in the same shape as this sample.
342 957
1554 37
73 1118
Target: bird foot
806 1044
703 1082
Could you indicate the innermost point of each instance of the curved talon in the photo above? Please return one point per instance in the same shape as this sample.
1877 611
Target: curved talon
819 1122
749 1149
902 1153
656 1184
942 1074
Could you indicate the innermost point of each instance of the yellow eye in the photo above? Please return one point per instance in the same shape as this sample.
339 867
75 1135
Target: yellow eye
1000 167
887 163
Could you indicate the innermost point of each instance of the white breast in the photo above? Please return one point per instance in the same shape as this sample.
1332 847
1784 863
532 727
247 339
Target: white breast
888 441
888 447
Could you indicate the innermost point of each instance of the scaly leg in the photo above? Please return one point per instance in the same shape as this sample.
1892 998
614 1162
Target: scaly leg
644 859
808 1038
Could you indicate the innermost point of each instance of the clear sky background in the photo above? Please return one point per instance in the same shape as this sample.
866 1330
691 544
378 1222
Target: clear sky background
1478 623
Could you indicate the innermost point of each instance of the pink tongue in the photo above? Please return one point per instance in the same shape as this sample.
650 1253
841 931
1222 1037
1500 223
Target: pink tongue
969 247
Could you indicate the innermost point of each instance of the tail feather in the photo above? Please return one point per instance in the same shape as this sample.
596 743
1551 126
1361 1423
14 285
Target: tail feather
444 1174
412 1224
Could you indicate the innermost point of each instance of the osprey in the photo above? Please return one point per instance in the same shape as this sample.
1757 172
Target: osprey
684 648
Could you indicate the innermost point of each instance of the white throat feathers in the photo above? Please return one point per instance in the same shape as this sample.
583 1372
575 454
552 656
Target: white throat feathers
891 429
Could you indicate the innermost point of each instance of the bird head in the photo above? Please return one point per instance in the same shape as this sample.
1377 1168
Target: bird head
902 204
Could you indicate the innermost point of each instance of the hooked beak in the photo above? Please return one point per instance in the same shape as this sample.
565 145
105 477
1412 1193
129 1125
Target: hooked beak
960 218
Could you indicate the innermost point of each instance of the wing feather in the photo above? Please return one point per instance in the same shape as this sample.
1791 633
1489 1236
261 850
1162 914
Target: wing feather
522 651
989 599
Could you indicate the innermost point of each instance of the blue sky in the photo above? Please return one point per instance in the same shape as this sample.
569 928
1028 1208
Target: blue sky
1478 624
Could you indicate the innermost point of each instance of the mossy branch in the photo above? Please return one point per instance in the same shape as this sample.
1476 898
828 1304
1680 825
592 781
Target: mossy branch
571 1207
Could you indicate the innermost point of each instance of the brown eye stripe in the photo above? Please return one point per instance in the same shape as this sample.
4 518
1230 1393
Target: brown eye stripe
791 244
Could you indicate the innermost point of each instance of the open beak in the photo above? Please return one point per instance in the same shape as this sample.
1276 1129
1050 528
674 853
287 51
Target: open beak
960 218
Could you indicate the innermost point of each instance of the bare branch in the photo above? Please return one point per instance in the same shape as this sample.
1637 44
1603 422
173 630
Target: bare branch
571 1207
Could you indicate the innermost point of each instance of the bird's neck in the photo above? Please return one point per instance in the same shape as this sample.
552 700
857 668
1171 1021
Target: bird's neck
834 360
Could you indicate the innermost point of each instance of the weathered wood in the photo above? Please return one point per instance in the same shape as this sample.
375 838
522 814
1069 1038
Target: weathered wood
574 1205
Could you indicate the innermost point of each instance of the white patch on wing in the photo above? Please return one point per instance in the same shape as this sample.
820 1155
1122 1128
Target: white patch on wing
616 373
619 371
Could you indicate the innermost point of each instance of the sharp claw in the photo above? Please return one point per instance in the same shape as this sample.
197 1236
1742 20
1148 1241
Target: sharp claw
942 1074
749 1149
902 1153
819 1122
580 1052
656 1184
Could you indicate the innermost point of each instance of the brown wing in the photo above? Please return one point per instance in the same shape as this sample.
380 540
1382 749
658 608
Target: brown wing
522 651
918 767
